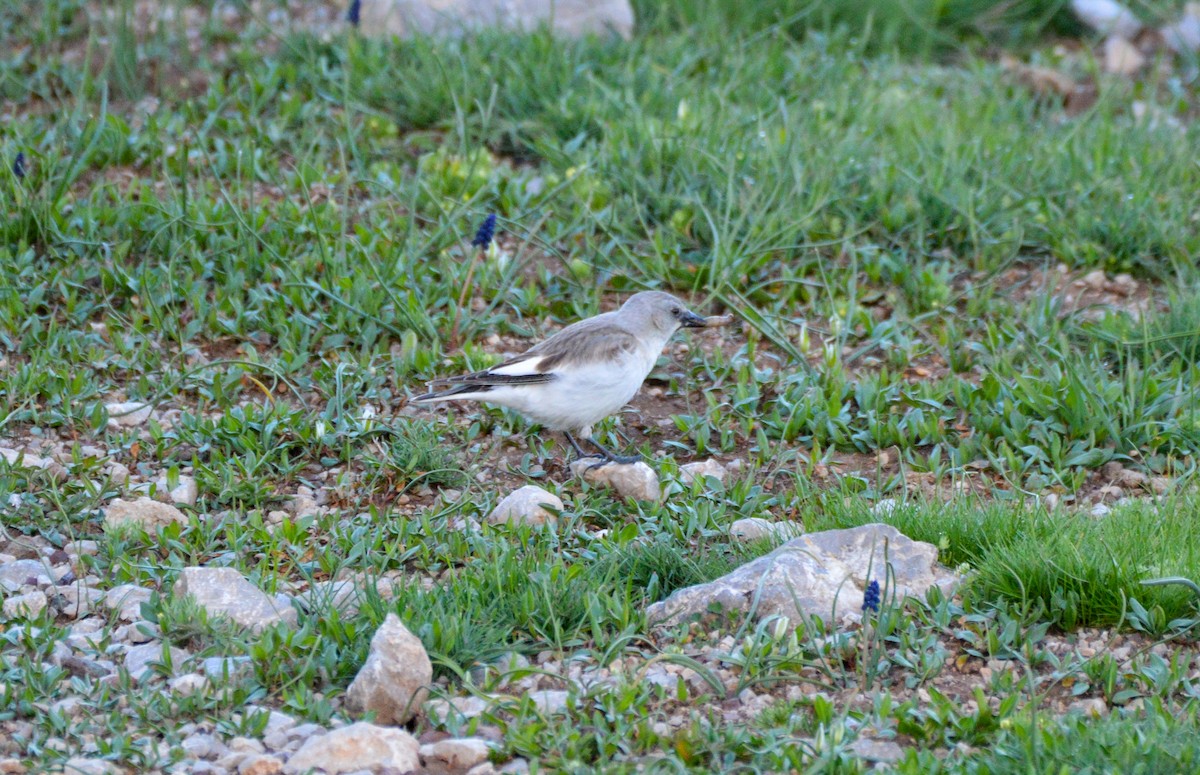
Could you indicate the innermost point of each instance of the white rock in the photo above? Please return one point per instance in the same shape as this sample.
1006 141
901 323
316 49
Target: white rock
138 660
460 753
442 710
17 573
549 701
884 508
1122 57
260 764
690 472
357 747
530 505
1094 707
26 606
818 575
756 529
226 592
1107 17
631 480
80 765
221 668
184 493
1183 36
23 459
143 512
128 414
127 600
393 681
570 18
188 684
872 750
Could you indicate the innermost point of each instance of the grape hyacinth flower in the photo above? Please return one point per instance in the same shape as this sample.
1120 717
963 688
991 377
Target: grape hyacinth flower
871 597
354 13
18 166
487 231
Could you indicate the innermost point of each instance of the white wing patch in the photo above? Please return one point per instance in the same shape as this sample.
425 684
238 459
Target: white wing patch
520 368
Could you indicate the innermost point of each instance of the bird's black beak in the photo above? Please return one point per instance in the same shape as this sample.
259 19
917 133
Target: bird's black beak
689 319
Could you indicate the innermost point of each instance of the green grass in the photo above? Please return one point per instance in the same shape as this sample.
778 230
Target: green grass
273 252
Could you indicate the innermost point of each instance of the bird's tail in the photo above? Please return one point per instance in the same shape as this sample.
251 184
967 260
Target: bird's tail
457 393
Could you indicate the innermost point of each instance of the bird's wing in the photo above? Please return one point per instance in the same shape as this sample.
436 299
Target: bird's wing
588 341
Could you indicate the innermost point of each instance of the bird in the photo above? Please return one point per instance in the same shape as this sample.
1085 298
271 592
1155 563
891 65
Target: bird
582 374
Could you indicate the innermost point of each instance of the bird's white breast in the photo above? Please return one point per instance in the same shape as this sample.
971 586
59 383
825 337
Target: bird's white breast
581 394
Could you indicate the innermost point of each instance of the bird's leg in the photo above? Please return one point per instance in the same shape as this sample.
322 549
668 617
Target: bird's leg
579 453
610 457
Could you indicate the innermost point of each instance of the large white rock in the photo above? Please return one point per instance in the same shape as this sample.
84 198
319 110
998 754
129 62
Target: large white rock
526 506
756 529
394 681
128 414
819 575
570 18
360 746
28 605
139 660
690 472
226 592
15 574
1107 17
146 513
1183 35
456 754
631 480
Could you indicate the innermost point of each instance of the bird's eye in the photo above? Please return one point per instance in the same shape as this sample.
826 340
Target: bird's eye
675 310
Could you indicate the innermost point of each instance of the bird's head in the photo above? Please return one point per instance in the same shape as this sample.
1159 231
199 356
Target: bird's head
662 311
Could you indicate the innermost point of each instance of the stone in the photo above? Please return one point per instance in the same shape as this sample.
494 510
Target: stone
188 684
28 605
549 701
144 512
567 18
884 508
23 459
16 574
527 506
459 753
75 600
359 746
443 710
344 596
225 667
12 767
184 493
139 660
226 592
393 681
128 414
81 765
1094 707
260 764
873 750
758 529
690 472
1183 36
1122 57
1107 17
631 480
127 600
819 575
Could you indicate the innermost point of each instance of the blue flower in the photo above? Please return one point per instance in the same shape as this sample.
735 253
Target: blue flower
486 232
871 597
354 12
18 167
